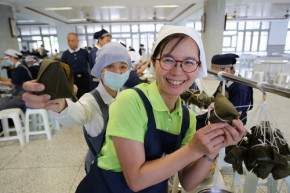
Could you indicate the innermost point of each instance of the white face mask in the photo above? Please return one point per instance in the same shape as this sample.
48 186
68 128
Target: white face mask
219 78
9 62
114 80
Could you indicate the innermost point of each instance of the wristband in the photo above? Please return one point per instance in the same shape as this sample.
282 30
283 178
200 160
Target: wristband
210 159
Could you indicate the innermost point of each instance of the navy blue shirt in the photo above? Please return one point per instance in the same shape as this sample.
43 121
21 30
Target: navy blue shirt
93 54
34 71
133 79
20 75
78 61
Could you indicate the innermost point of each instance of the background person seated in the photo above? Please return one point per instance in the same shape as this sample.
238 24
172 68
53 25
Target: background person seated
33 65
20 74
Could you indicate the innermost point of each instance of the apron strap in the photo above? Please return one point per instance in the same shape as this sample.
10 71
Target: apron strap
95 143
148 106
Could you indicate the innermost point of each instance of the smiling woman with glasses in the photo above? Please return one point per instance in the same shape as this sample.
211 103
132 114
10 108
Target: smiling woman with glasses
188 65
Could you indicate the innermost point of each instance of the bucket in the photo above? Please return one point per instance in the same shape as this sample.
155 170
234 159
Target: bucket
214 190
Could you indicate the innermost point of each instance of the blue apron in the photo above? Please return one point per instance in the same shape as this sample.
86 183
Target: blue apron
157 143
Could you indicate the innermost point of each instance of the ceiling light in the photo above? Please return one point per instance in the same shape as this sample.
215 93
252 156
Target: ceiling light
113 7
75 20
26 21
57 8
165 6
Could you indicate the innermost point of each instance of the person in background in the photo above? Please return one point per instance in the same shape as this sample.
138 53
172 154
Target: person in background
42 51
140 153
20 74
78 59
142 66
101 37
133 79
56 55
142 50
33 65
25 51
112 67
241 96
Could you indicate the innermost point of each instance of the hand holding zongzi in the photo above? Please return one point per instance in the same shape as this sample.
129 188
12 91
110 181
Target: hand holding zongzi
224 111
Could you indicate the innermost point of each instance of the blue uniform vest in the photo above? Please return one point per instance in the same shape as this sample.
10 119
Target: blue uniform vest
156 143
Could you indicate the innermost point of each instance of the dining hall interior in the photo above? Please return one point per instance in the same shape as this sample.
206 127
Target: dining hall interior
51 159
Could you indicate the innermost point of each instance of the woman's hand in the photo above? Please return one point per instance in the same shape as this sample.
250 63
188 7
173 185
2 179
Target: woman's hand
211 138
234 134
41 101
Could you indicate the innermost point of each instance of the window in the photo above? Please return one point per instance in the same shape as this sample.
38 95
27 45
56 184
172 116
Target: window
34 36
287 44
81 29
246 37
131 34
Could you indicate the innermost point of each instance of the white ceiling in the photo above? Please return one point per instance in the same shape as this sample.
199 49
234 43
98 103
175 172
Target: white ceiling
136 11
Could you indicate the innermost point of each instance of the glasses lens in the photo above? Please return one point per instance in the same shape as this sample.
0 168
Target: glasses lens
167 63
189 65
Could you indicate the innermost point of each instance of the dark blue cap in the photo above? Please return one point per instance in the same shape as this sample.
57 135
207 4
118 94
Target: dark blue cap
224 60
101 33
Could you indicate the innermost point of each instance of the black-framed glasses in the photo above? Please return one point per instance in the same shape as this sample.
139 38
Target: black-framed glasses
188 65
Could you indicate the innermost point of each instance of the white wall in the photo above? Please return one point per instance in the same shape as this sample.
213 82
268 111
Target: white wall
6 40
62 31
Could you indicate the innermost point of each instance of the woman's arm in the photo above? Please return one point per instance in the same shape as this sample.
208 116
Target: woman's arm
41 101
7 83
5 79
142 66
232 135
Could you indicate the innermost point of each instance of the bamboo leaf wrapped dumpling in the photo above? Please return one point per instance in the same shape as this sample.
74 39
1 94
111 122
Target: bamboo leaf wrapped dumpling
224 110
57 78
197 97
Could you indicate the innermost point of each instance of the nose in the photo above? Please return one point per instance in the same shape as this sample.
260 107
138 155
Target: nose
119 70
177 68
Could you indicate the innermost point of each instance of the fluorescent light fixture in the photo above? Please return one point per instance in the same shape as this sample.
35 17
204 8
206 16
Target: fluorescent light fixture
113 7
75 20
158 18
165 6
58 8
26 21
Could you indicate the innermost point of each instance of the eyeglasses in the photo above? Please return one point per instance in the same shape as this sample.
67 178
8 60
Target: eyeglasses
188 65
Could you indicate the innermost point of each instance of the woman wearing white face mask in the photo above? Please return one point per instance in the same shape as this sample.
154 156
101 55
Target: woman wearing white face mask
112 67
12 58
21 73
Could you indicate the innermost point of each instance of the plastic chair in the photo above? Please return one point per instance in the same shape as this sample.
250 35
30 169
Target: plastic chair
39 119
251 182
53 122
17 117
281 79
258 76
248 74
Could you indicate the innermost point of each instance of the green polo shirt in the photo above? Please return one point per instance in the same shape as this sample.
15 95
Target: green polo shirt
128 119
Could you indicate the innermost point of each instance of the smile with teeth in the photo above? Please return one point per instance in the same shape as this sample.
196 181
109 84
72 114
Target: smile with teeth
175 82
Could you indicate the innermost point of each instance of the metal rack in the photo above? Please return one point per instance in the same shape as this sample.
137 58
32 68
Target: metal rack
263 86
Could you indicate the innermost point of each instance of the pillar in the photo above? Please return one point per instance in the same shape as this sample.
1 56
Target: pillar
7 41
277 36
214 11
